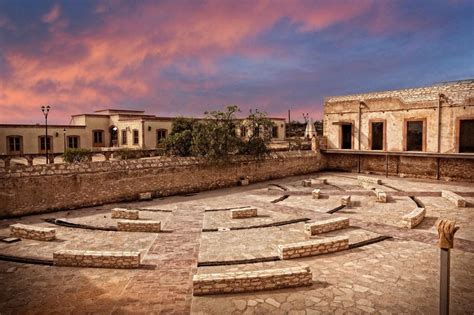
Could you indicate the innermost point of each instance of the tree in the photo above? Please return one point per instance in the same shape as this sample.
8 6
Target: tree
260 135
180 139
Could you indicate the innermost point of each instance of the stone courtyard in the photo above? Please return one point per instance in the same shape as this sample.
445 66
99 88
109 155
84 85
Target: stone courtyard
387 267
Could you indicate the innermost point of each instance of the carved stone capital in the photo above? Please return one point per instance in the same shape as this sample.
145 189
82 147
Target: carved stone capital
446 230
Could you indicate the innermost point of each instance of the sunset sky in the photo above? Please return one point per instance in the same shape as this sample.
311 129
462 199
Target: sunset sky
184 57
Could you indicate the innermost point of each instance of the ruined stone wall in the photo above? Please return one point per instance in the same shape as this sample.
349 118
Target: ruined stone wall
410 166
44 188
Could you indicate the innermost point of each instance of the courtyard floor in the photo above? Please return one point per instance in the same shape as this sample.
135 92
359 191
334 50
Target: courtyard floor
397 275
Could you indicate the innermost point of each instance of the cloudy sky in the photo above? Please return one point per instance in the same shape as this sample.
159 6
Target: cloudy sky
184 57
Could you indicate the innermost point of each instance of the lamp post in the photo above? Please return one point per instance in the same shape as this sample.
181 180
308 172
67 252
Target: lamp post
45 110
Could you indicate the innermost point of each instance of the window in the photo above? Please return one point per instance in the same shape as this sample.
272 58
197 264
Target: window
414 135
256 131
14 144
466 136
43 145
73 142
124 136
98 138
243 131
346 136
135 137
275 132
160 135
377 135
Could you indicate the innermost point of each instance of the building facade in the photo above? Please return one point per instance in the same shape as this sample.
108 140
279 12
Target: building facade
104 129
438 119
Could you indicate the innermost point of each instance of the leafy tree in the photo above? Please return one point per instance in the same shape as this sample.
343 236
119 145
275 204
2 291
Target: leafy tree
260 134
179 142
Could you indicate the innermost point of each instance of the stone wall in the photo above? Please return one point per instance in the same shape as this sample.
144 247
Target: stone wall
119 213
43 188
313 247
248 212
99 259
454 198
414 218
139 226
32 232
410 166
249 281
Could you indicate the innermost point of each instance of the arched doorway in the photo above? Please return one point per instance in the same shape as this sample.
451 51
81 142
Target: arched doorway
113 136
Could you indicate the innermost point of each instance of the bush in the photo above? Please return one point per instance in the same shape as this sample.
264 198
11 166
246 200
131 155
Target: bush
254 146
127 154
179 144
76 155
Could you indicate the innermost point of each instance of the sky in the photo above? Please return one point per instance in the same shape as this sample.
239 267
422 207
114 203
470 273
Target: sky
182 57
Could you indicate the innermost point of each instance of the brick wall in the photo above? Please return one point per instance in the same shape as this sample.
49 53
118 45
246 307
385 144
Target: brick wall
44 188
410 166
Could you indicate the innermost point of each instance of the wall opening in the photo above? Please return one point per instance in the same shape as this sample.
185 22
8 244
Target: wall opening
160 135
466 136
377 140
346 136
73 142
414 136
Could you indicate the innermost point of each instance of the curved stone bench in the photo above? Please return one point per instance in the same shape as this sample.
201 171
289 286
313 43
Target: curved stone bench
99 259
32 232
459 201
139 226
325 226
313 247
251 281
241 213
414 218
119 213
369 180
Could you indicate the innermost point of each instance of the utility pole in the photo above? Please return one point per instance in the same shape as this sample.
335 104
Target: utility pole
45 110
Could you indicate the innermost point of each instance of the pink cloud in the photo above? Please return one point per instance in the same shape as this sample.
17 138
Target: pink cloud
52 15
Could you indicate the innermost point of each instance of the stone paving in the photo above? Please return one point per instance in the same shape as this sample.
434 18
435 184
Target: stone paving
399 275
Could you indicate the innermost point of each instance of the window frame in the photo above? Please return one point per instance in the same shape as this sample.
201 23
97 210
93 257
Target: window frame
405 133
51 144
276 134
10 152
457 126
158 140
98 144
384 140
137 133
340 124
123 137
73 137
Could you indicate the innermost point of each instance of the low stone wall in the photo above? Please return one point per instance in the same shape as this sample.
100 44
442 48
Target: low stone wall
410 166
119 213
313 247
243 213
316 193
325 226
346 200
100 259
307 183
250 281
380 195
414 218
454 198
45 188
139 226
145 196
32 232
319 181
370 180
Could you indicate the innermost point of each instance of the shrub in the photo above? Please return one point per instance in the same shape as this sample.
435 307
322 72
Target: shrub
76 155
127 154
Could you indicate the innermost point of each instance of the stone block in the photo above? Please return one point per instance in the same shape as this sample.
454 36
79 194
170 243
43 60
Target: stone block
240 213
325 226
346 200
244 182
119 213
316 193
145 196
414 218
32 232
381 195
313 247
250 281
459 201
319 181
97 259
307 183
139 226
370 180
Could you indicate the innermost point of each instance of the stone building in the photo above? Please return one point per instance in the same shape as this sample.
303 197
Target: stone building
437 119
110 128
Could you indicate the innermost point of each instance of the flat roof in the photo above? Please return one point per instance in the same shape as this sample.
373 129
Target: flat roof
40 126
119 110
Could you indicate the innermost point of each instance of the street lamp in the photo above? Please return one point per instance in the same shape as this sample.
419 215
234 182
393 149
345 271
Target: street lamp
45 110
